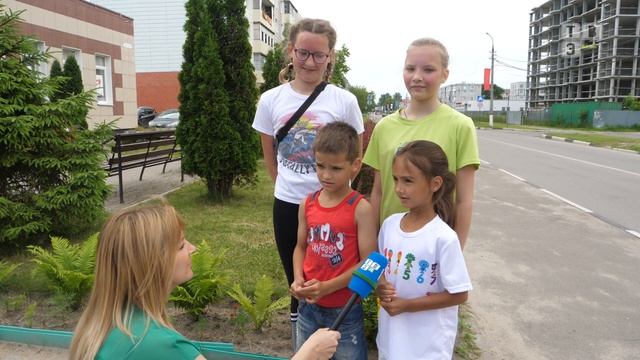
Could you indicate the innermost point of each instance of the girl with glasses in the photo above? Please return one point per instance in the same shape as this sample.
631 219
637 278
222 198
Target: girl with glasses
292 164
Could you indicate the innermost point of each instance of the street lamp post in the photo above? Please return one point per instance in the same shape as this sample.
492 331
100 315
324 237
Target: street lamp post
491 89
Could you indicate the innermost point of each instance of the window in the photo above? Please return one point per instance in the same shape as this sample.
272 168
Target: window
287 7
258 61
42 67
103 80
66 52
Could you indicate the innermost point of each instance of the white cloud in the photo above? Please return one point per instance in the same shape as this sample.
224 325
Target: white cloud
378 32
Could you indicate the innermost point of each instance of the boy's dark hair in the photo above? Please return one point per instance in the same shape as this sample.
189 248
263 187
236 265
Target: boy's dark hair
432 161
337 138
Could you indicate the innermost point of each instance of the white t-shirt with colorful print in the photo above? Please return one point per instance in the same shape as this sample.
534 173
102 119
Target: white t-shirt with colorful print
296 162
422 262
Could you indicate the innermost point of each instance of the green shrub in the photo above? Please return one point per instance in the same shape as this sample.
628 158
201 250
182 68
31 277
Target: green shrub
68 267
51 179
6 269
206 286
262 307
370 309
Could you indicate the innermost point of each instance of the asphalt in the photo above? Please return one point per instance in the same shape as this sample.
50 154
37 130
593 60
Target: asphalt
550 281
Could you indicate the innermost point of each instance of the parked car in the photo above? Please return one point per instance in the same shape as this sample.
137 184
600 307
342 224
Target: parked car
166 119
145 114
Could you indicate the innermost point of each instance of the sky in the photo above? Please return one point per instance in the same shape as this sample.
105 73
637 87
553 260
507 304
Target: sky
377 34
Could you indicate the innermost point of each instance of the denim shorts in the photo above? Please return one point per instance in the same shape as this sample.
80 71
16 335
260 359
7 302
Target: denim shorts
352 345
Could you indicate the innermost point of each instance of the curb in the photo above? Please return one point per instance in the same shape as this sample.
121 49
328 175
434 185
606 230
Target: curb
558 138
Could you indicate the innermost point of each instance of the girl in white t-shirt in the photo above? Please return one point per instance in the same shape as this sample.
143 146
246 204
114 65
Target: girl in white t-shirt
426 277
292 165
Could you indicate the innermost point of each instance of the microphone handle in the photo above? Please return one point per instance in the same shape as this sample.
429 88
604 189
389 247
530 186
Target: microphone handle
344 311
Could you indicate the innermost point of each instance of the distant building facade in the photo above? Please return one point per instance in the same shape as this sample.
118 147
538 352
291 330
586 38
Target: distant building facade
160 36
518 91
102 43
456 95
583 50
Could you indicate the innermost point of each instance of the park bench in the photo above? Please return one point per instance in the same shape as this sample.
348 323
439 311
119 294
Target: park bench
142 149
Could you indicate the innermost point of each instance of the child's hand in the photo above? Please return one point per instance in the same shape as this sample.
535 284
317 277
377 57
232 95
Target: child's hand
295 288
385 290
312 291
394 306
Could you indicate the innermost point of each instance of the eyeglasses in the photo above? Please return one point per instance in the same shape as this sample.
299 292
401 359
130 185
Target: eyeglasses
318 57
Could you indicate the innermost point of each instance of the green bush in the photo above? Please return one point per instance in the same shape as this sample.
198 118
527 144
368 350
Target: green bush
207 284
262 307
6 269
370 309
51 179
68 267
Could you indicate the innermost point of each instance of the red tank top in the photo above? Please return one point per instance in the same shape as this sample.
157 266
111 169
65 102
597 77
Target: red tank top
332 243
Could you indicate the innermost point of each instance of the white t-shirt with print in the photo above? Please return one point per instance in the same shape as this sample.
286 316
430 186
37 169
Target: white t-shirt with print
425 261
296 162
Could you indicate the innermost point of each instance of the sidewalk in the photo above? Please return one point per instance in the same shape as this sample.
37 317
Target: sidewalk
550 282
154 183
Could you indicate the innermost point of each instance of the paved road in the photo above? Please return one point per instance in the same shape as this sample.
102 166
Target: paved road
550 281
601 181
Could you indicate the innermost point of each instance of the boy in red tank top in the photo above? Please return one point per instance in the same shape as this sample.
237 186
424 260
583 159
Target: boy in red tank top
336 231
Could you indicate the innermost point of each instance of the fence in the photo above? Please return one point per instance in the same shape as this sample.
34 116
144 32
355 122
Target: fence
602 118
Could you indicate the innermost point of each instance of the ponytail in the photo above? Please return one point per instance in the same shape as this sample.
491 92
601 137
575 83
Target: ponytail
443 200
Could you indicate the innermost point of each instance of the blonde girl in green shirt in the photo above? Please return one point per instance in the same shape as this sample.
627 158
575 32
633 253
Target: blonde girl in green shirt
425 118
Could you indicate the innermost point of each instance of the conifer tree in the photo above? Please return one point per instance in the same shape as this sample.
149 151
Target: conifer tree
71 70
51 180
205 133
271 69
73 86
240 83
56 72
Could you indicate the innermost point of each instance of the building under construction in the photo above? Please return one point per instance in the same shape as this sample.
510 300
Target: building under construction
583 50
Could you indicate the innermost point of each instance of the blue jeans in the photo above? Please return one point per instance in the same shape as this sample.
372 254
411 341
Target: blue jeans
352 345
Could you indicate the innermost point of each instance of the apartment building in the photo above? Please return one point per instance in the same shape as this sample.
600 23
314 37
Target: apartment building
460 93
518 91
160 36
101 41
583 50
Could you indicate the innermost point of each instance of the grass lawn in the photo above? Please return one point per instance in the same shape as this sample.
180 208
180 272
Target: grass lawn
240 227
603 140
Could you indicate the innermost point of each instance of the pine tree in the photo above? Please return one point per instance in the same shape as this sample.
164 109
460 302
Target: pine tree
51 180
206 134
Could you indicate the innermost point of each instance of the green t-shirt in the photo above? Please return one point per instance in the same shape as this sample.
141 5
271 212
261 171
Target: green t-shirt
454 132
157 343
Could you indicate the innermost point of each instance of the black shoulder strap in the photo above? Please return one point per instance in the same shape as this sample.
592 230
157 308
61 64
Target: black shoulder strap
282 133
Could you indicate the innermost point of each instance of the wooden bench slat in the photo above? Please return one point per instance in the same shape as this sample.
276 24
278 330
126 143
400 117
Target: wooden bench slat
143 145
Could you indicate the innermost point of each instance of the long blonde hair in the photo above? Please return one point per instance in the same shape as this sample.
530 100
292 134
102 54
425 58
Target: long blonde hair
134 267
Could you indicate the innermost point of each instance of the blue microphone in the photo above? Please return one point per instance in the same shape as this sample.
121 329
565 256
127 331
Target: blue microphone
363 281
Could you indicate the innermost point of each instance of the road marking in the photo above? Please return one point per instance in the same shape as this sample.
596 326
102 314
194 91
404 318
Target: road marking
568 201
484 162
634 233
567 158
514 175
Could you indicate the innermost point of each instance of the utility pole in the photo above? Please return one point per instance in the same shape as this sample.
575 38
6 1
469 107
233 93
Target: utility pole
491 90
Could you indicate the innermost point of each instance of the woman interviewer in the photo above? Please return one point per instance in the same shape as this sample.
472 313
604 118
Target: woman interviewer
142 256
